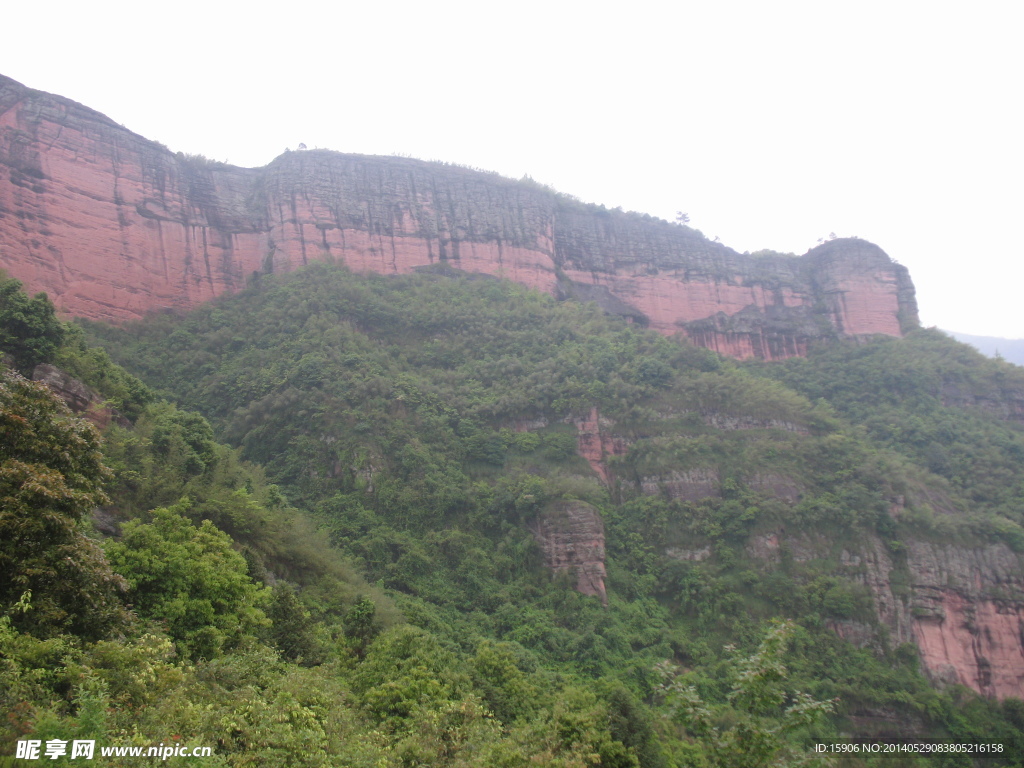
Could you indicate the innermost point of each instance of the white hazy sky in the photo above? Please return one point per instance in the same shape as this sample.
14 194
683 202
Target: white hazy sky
771 124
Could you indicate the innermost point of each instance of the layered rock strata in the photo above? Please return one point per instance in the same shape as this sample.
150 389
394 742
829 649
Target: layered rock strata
962 606
571 536
595 444
113 226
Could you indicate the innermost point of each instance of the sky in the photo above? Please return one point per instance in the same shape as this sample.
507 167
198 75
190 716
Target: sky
770 124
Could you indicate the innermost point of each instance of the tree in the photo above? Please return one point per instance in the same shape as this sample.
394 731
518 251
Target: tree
185 435
360 625
762 716
292 627
51 476
29 329
191 578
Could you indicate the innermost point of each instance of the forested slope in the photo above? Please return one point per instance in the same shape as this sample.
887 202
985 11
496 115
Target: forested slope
467 449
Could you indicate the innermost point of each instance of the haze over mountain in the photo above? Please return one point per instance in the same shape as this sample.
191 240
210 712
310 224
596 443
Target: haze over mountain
1011 350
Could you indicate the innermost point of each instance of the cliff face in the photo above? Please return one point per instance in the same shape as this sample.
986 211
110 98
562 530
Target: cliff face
571 536
962 606
114 226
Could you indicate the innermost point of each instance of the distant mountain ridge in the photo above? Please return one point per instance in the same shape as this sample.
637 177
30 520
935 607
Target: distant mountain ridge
114 226
1011 350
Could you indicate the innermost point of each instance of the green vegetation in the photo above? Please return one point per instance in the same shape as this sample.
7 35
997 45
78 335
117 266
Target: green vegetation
754 725
29 329
93 366
189 578
943 406
51 476
318 538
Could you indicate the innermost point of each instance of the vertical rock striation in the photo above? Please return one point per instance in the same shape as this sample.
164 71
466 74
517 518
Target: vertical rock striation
571 536
962 606
114 226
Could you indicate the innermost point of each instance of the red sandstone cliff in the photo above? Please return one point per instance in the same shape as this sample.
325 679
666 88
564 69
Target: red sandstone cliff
961 605
571 536
113 226
964 610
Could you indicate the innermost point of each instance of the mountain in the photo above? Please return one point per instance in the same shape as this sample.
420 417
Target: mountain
1011 350
529 510
113 226
329 381
361 500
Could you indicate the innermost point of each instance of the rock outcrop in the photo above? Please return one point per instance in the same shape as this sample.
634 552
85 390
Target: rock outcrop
80 398
1006 403
962 606
967 614
113 226
571 536
595 444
